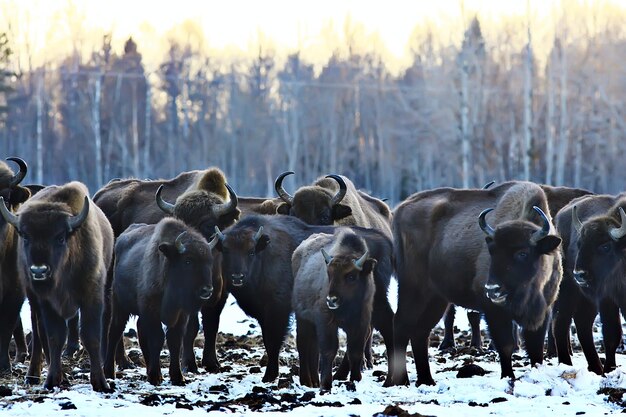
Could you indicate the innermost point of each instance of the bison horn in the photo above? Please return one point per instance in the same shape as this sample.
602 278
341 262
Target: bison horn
7 214
327 258
258 234
545 229
619 232
278 186
228 207
489 184
213 242
484 226
17 178
180 246
358 263
343 189
163 205
578 225
74 222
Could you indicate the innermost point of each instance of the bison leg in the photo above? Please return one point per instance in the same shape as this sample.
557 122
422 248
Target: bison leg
474 320
305 341
116 332
382 320
448 329
368 362
568 302
189 357
56 330
210 325
611 332
329 343
534 340
174 342
274 328
20 341
435 308
72 345
501 331
151 338
39 342
91 334
583 318
9 311
357 339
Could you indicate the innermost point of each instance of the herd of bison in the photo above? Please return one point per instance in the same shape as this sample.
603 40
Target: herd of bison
528 258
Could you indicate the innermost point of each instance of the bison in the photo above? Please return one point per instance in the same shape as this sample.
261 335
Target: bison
593 229
333 287
11 289
65 248
511 274
163 274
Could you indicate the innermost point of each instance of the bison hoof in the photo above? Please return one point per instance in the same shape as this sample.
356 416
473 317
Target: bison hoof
21 357
70 351
101 386
32 380
425 381
190 366
270 377
126 364
178 381
446 344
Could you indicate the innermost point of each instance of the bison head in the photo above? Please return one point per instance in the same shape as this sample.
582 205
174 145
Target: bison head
10 190
188 270
203 210
46 231
349 278
315 205
516 248
601 250
240 253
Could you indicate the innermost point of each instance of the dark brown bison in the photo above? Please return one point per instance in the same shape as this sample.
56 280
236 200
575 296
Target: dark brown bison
442 256
64 251
333 287
256 268
11 289
593 229
334 200
163 274
557 197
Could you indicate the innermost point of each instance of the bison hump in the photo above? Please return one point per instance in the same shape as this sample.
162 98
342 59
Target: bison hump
213 180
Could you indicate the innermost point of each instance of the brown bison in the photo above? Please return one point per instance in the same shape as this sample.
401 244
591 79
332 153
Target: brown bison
593 229
442 256
64 251
11 289
163 274
333 287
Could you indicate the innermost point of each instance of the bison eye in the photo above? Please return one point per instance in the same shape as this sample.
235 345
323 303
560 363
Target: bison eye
604 248
251 253
61 239
351 277
521 255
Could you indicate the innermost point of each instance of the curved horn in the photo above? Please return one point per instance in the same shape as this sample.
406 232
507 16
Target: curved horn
10 218
343 189
219 234
327 258
484 226
180 246
545 229
489 184
213 242
229 206
74 222
258 234
17 178
358 263
163 205
278 186
578 225
619 232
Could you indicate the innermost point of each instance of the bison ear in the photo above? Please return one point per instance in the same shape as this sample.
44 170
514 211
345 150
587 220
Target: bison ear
548 244
340 211
230 218
283 208
369 266
262 243
168 249
19 195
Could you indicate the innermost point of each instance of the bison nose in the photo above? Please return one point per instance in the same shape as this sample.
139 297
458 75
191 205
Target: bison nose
206 292
495 293
39 272
237 279
581 277
332 301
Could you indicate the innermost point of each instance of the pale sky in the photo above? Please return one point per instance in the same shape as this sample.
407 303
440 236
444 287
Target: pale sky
237 25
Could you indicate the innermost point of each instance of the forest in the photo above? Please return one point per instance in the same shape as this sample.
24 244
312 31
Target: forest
460 115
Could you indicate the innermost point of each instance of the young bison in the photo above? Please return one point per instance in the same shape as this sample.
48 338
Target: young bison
163 275
333 287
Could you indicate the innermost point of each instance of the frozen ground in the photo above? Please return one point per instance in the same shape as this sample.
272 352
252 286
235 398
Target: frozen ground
550 389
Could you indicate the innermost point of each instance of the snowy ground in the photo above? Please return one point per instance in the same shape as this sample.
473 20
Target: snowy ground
550 389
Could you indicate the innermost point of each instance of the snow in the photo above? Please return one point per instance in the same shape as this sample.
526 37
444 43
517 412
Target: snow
549 389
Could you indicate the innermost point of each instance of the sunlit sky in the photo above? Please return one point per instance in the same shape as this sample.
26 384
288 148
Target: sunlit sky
44 27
